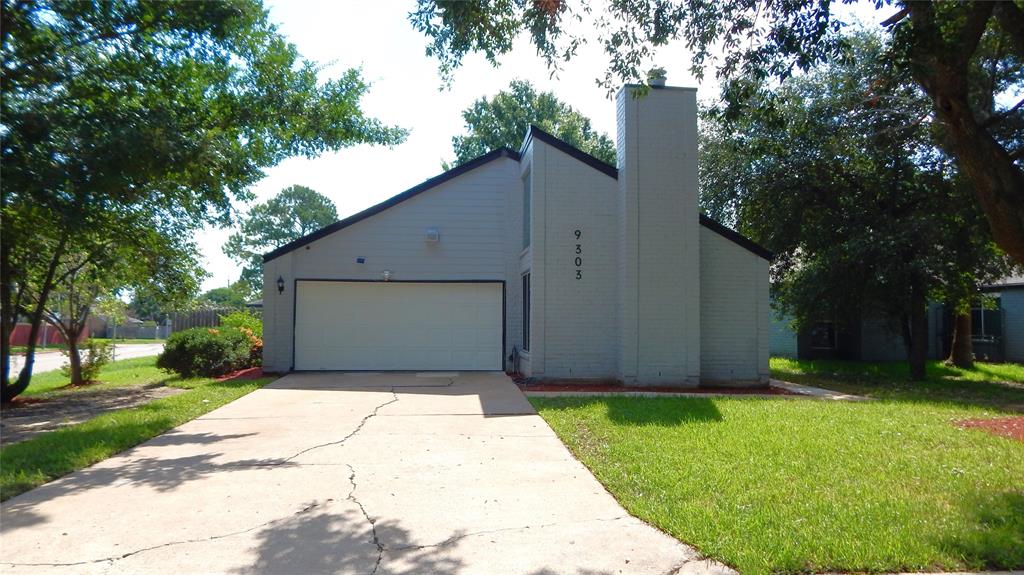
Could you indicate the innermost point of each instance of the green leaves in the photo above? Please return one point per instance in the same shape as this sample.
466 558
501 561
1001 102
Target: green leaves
843 178
504 119
129 124
294 212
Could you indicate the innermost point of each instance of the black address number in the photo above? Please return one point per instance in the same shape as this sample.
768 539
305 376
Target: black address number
579 253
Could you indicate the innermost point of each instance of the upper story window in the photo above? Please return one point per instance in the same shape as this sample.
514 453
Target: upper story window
527 193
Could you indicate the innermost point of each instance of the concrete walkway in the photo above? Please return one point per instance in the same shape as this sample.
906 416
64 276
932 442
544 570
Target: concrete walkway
343 473
53 360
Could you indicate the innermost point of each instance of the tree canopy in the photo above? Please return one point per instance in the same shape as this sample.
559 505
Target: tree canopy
504 119
938 43
234 296
294 212
867 214
127 115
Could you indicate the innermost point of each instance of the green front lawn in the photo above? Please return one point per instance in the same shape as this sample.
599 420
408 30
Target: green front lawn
776 485
137 371
36 461
997 385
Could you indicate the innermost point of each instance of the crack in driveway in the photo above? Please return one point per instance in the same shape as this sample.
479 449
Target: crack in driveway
368 417
373 524
268 523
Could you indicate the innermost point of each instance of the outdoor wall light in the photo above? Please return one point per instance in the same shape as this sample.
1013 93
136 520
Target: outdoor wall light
280 285
433 235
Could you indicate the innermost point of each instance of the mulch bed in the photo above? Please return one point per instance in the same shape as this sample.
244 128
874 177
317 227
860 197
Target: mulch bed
1012 427
248 373
22 401
612 387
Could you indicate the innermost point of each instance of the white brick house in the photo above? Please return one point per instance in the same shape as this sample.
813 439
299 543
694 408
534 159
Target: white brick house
544 260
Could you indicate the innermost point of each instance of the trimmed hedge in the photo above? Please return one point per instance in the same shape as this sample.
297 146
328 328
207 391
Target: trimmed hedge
206 352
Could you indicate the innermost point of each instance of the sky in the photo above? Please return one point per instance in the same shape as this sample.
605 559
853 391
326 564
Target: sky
406 91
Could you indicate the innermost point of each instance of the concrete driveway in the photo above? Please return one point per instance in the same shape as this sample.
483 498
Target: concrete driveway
53 360
342 473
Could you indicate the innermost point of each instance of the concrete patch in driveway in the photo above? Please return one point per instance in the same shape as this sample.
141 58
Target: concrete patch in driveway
343 473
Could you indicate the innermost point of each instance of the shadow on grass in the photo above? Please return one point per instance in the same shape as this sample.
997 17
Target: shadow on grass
882 381
664 411
997 540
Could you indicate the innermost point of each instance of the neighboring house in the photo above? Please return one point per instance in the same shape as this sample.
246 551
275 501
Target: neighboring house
1010 296
873 338
997 332
544 261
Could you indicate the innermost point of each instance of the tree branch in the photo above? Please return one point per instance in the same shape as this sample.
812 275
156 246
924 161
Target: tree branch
896 18
970 34
995 119
1011 19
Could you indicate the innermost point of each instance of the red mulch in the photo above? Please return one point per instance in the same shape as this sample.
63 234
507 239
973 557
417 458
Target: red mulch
1012 427
619 388
247 373
24 401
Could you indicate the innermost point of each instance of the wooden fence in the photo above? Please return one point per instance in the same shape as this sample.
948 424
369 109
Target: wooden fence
198 318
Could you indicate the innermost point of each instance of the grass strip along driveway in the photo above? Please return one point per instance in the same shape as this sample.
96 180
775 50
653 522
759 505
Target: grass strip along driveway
31 463
776 485
127 372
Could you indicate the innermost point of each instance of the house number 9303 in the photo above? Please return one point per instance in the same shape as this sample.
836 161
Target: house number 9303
578 253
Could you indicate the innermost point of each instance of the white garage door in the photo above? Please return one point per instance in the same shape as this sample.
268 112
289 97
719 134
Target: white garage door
398 326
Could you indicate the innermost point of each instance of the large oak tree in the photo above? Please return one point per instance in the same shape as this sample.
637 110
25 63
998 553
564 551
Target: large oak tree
867 214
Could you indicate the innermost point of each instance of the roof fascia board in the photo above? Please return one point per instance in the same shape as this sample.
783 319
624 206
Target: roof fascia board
567 148
736 237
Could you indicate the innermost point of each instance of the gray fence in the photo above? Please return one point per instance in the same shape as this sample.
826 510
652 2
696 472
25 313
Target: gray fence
137 331
198 318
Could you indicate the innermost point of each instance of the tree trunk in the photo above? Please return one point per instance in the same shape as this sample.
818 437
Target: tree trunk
941 59
8 391
918 333
75 362
8 313
72 331
962 355
998 183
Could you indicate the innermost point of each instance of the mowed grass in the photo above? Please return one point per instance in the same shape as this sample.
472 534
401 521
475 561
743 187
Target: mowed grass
774 485
31 463
126 372
995 385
